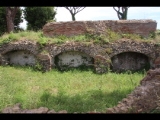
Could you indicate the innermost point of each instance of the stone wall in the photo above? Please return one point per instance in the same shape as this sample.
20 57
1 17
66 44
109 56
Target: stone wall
103 56
24 52
144 99
146 51
72 28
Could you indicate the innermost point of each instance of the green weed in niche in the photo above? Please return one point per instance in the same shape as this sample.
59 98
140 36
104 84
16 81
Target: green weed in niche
38 66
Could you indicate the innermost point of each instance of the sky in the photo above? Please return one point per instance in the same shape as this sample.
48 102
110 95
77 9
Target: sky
107 13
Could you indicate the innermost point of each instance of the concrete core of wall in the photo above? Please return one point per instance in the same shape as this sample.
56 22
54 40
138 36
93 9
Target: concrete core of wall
73 59
130 61
20 57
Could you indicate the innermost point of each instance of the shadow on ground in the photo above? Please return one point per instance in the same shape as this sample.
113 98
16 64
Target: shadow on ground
94 100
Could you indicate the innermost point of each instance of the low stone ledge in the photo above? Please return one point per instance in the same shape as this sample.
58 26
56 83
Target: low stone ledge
17 109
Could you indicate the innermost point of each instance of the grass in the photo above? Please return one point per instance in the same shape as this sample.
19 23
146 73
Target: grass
74 90
86 38
40 38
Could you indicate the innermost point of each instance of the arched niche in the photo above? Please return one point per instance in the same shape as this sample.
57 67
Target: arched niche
20 57
132 61
73 59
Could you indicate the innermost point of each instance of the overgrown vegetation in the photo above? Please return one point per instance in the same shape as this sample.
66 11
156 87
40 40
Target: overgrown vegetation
73 90
87 38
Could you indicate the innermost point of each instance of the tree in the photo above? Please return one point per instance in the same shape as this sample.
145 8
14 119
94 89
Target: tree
74 11
3 20
121 12
37 17
10 17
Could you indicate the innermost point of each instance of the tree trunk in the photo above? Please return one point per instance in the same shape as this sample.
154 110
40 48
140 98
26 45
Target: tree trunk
125 13
122 15
73 17
10 16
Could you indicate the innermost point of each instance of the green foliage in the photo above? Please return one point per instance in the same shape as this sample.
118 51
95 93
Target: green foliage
157 32
29 35
38 66
112 36
90 36
37 17
131 36
7 39
3 22
152 35
42 40
62 37
87 38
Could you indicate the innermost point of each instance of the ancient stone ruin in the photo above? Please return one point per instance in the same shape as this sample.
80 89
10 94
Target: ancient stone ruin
72 28
121 55
144 98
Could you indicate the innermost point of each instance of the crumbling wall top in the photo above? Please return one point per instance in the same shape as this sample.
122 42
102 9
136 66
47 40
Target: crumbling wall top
142 27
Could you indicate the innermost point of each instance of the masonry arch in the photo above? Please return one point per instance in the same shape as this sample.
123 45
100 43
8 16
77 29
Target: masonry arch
20 53
71 47
20 57
132 61
126 45
21 45
73 59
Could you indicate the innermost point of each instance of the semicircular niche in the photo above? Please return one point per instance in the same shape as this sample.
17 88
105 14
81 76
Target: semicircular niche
73 59
131 61
20 57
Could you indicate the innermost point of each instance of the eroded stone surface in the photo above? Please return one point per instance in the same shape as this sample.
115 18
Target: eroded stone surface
73 59
72 28
130 61
20 57
46 55
17 109
106 51
144 98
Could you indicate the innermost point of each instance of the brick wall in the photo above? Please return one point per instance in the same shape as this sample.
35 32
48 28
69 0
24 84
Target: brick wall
71 28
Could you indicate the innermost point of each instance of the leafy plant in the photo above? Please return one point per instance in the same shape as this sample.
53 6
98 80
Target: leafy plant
38 66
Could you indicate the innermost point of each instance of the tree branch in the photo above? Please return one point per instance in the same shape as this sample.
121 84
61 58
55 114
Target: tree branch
79 9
